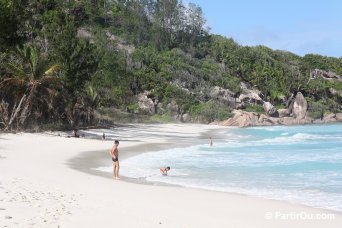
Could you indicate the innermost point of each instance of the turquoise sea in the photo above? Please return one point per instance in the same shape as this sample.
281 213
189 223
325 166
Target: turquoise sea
300 164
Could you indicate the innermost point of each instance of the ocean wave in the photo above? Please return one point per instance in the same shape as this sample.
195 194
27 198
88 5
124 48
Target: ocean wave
284 139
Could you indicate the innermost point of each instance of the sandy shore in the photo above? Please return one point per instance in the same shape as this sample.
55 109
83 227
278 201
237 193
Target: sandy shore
42 184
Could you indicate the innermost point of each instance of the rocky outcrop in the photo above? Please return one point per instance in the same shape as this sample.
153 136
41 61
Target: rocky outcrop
242 119
247 119
338 117
295 114
330 118
299 106
329 75
146 105
225 96
247 96
250 96
283 112
172 107
186 117
270 109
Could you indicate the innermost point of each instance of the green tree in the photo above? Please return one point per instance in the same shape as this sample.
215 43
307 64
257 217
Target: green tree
30 92
13 15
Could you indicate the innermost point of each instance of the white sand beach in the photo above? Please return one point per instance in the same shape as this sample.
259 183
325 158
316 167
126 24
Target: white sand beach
40 188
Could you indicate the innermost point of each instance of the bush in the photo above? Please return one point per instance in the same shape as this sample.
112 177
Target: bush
54 126
255 108
280 106
316 109
315 115
133 108
165 118
211 111
224 114
231 83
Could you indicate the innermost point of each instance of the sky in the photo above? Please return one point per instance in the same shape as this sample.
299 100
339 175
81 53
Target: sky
300 26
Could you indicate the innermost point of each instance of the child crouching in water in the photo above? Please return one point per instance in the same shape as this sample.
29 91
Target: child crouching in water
164 170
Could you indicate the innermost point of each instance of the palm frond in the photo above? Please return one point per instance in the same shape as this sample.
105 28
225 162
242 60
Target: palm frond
53 70
9 83
33 59
30 54
17 71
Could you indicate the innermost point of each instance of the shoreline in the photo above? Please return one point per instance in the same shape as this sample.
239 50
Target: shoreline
95 160
39 189
215 123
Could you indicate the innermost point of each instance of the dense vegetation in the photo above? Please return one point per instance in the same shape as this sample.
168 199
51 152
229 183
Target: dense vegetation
60 61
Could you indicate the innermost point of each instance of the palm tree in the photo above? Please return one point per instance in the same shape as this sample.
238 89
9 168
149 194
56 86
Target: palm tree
82 111
28 92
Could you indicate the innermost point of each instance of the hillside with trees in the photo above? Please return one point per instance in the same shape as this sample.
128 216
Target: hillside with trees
70 63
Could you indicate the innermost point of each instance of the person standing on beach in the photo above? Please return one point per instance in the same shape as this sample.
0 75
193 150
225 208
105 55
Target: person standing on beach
115 158
210 141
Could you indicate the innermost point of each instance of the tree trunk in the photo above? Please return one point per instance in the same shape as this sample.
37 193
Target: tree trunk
16 110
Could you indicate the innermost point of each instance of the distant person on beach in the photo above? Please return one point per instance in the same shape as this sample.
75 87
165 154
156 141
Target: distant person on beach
74 133
115 158
164 170
210 141
103 136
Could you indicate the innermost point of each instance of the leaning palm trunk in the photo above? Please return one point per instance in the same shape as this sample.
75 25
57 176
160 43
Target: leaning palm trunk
16 111
25 113
4 116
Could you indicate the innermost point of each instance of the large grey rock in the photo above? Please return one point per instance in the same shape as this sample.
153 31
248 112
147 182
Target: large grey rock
329 75
283 112
223 95
339 117
145 104
270 109
186 118
250 96
329 118
245 85
300 106
265 120
172 107
246 119
242 119
332 117
160 109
